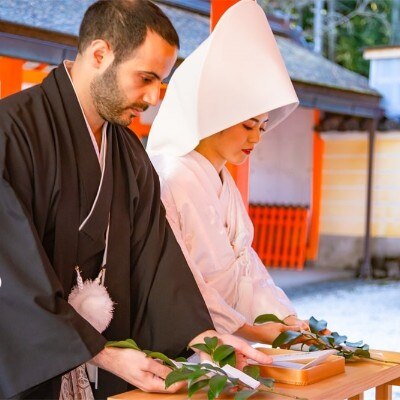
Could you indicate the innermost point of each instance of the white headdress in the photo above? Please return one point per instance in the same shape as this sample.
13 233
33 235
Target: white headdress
237 73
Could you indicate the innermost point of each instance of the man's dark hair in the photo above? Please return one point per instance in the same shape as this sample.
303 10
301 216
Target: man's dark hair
124 24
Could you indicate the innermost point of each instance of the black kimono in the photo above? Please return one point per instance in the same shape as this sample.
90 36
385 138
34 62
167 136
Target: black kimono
49 176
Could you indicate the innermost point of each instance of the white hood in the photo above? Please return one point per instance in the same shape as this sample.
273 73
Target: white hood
237 73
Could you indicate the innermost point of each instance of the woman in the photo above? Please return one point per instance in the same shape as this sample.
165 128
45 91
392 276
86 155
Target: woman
219 101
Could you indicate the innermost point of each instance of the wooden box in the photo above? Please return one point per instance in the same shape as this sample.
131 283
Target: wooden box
333 365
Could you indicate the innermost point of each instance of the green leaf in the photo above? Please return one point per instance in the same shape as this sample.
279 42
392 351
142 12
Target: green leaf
317 326
231 360
123 344
211 342
331 341
196 386
217 384
214 369
252 370
222 352
263 318
362 353
177 375
354 344
244 394
347 355
160 356
233 381
197 374
285 338
325 340
339 339
202 347
193 367
181 359
268 382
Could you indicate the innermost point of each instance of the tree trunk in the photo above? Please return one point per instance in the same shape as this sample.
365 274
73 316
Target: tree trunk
396 22
332 29
318 4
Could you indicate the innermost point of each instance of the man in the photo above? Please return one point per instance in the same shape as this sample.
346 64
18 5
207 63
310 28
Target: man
74 182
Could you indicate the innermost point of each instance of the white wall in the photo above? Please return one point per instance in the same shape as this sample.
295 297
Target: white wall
281 164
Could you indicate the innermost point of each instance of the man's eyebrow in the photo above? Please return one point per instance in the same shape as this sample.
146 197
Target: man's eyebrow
152 74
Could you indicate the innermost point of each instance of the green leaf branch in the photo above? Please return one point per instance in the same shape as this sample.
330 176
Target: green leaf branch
208 376
315 339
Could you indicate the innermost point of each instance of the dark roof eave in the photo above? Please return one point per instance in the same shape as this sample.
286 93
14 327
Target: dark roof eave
339 101
184 7
35 44
31 32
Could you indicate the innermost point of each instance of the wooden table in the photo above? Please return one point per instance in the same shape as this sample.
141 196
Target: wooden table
358 377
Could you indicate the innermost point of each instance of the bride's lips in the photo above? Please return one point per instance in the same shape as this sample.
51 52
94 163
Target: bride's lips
247 151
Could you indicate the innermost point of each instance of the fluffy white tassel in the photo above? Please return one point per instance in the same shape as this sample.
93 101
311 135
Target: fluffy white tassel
93 303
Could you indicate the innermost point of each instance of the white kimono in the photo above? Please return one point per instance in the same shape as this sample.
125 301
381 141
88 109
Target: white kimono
215 233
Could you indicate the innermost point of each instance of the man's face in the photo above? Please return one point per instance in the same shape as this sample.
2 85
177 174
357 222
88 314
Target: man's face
126 89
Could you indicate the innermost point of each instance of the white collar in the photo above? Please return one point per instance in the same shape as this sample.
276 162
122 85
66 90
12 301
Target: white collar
100 155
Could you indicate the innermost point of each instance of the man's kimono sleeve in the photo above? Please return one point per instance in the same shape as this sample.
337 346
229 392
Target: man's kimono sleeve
170 310
41 336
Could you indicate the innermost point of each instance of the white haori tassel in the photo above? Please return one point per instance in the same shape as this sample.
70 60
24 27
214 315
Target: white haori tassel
92 301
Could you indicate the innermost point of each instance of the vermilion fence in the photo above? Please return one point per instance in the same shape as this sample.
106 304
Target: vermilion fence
280 234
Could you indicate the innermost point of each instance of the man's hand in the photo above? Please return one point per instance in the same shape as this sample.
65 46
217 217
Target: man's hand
243 350
293 320
135 368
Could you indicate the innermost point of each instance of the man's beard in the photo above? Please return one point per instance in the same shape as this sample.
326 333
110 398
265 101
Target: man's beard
109 100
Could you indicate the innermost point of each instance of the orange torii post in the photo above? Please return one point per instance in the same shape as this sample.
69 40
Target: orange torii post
318 153
239 173
10 76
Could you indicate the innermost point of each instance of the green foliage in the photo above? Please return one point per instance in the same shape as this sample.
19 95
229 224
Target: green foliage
203 375
211 343
318 341
159 356
123 344
245 394
286 338
252 371
262 319
268 382
356 25
317 326
217 384
196 386
178 375
203 347
224 354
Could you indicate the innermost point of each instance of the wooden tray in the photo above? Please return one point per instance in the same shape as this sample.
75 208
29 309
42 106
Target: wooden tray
334 365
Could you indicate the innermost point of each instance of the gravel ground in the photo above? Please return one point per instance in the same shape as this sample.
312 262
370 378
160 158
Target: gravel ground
361 310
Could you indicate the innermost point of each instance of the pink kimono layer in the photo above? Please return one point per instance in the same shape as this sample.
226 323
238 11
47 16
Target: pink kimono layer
213 228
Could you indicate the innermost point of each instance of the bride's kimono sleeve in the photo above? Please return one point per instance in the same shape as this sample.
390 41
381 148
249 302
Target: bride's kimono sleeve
225 318
267 297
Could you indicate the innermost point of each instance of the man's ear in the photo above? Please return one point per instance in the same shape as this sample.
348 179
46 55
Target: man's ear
100 54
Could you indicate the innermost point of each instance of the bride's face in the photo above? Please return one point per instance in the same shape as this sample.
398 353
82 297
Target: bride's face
236 143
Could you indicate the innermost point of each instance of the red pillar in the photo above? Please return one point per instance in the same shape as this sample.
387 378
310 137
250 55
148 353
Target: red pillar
315 209
240 173
10 76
